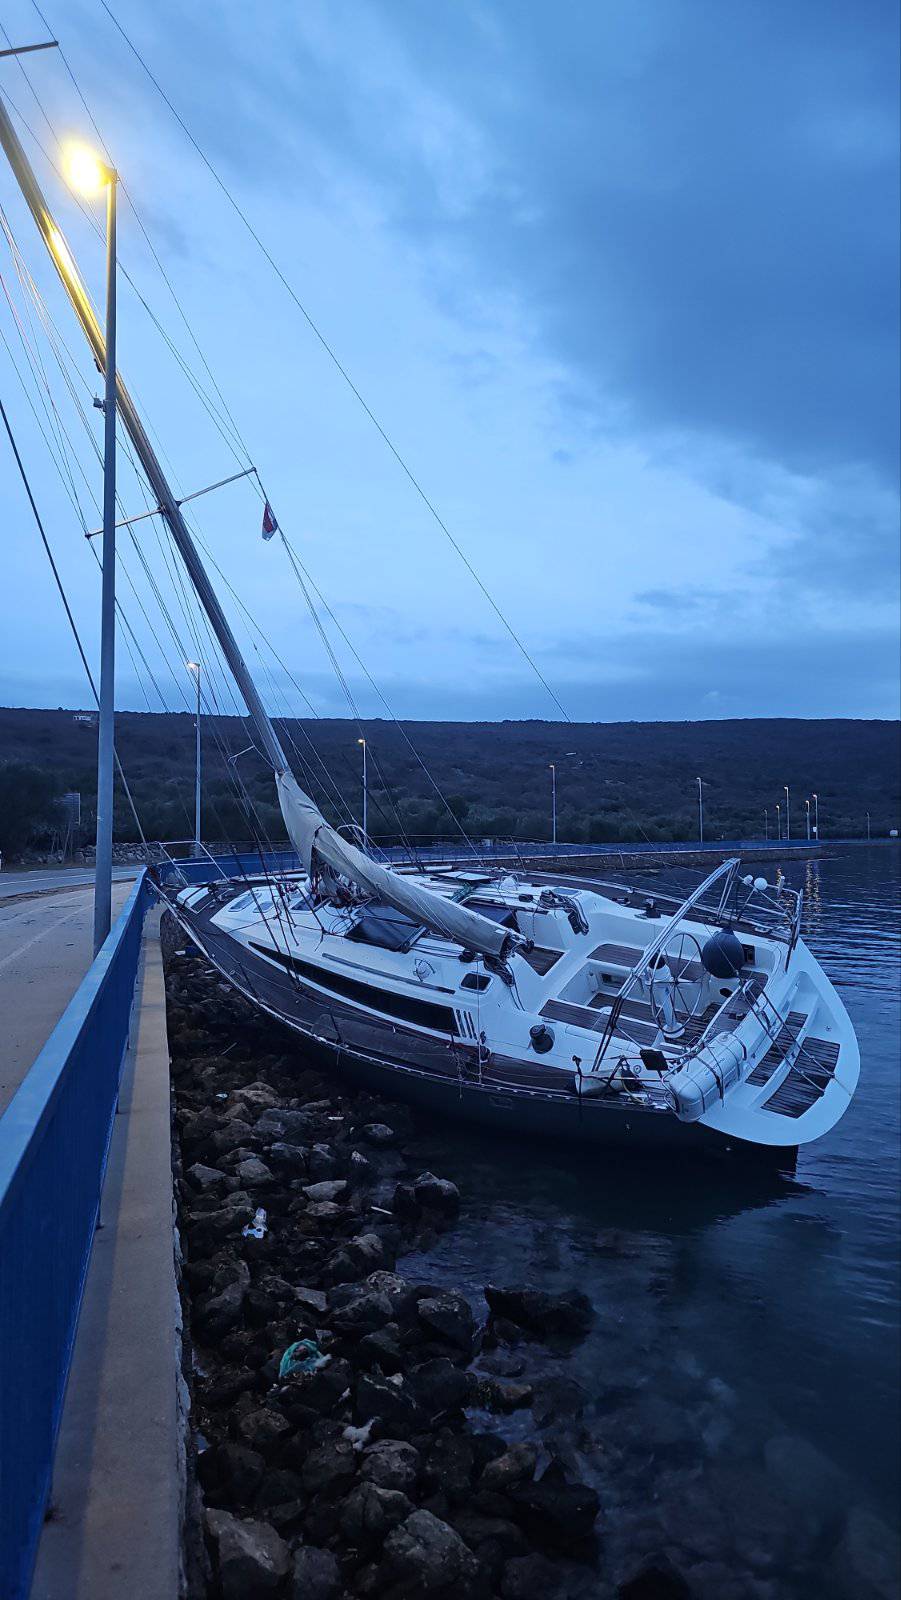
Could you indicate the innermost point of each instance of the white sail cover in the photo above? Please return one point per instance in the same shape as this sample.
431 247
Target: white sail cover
308 829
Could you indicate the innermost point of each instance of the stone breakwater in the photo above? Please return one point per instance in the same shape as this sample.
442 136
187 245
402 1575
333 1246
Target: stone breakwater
350 1425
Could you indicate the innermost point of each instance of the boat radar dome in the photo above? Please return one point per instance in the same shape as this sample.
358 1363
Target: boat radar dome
723 955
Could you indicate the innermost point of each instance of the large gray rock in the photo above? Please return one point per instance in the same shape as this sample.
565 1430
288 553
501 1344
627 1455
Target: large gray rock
316 1575
370 1512
287 1127
437 1194
450 1316
425 1554
253 1173
516 1465
363 1313
392 1464
542 1313
251 1557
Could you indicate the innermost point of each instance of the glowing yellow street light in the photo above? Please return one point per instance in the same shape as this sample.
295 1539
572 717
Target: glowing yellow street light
85 172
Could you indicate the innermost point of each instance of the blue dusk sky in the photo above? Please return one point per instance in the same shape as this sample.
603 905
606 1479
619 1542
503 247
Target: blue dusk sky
619 279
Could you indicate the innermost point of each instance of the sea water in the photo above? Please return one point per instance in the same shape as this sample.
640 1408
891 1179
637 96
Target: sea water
741 1379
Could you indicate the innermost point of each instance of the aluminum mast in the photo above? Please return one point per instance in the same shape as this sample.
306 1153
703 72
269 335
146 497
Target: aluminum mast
307 828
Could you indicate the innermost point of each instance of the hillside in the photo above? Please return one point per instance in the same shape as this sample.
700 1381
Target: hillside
615 781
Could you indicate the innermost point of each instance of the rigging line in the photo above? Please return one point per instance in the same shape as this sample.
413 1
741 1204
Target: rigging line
166 279
339 673
331 353
48 405
68 610
338 799
294 558
216 417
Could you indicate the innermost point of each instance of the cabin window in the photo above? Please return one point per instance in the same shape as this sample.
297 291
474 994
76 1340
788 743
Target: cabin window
408 1007
475 980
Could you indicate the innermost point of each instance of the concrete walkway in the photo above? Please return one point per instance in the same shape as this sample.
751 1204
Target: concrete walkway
114 1527
46 947
37 880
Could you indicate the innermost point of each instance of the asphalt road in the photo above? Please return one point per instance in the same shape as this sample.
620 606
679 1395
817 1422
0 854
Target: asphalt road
41 879
46 947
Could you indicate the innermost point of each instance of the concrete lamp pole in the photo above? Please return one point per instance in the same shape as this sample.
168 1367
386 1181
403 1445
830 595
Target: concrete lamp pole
766 823
553 772
807 818
365 798
700 811
868 827
194 668
788 814
778 820
89 176
816 817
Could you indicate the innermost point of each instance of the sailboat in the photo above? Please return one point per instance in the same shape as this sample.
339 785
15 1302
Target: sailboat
536 1003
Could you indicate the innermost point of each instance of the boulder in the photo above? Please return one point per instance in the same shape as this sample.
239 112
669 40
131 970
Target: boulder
541 1313
323 1163
240 1471
425 1555
206 1179
389 1404
358 1257
254 1174
439 1386
263 1428
251 1557
450 1316
288 1160
365 1311
329 1468
383 1349
371 1511
555 1512
437 1194
531 1577
517 1464
333 1189
377 1134
287 1127
316 1574
220 1312
502 1395
392 1464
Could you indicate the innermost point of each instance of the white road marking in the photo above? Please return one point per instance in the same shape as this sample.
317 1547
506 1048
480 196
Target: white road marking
42 935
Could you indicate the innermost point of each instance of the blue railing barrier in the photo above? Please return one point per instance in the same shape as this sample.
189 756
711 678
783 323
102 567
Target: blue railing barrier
245 861
54 1139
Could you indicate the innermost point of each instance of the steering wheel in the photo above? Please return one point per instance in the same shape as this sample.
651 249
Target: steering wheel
674 963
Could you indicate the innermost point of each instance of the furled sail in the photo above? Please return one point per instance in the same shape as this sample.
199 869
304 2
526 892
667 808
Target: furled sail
309 831
307 828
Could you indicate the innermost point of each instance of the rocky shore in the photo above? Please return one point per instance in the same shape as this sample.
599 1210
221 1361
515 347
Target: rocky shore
350 1425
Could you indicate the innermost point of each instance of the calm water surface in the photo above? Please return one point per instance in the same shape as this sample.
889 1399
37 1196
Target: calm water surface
743 1371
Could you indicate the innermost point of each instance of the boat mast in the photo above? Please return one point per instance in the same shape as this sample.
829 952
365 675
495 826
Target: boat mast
169 508
307 828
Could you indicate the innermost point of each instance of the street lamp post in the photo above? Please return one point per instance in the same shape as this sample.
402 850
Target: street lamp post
553 771
868 827
362 742
788 813
807 818
766 823
194 667
816 817
90 176
700 811
778 820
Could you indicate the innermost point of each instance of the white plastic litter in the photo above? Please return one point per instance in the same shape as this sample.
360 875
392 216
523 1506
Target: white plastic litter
257 1228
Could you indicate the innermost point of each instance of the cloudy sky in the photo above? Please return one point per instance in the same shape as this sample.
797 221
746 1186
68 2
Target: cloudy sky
618 279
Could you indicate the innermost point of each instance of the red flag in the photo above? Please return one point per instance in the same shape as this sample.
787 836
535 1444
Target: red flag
270 526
